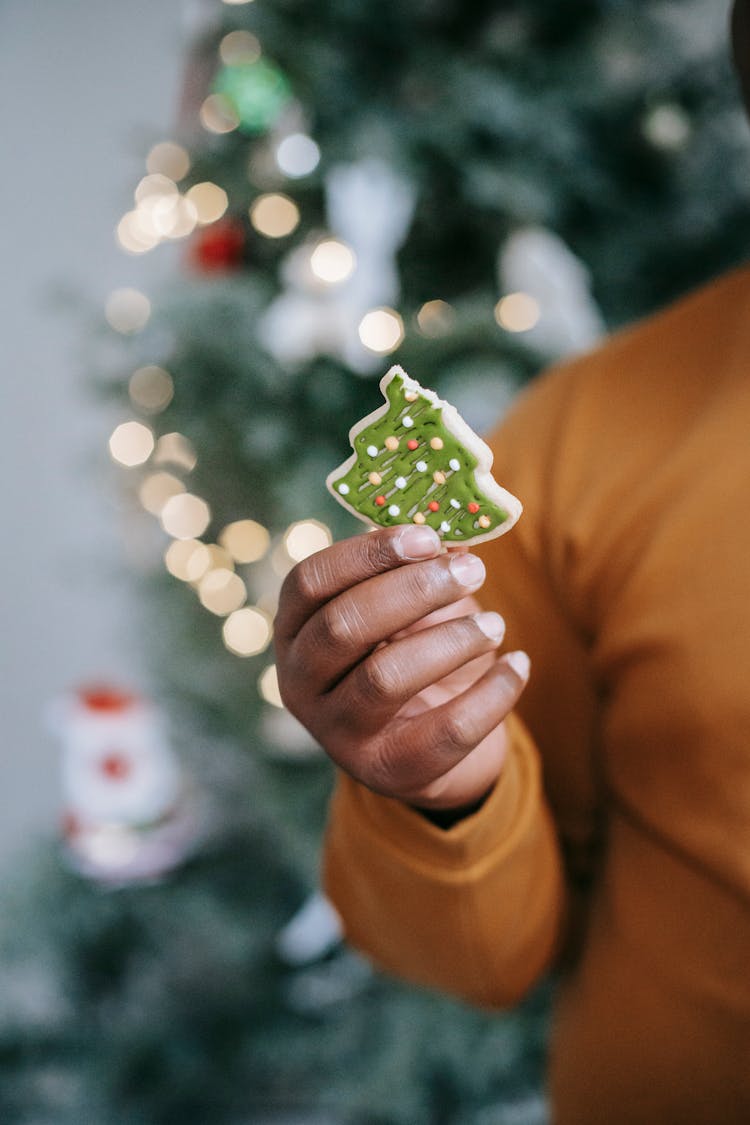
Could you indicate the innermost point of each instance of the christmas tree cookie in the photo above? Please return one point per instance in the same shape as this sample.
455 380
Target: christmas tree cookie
415 460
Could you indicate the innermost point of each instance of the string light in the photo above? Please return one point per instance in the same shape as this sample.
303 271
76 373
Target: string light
305 537
332 261
274 215
218 558
667 126
131 444
151 389
297 155
236 3
178 221
268 686
209 200
381 330
154 187
185 516
135 234
247 632
238 48
217 115
127 311
187 559
517 312
222 591
175 449
169 159
245 540
435 318
156 489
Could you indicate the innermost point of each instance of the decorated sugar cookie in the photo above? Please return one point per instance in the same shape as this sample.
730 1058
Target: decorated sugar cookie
415 460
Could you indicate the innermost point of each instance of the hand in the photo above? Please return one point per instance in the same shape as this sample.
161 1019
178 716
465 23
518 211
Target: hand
384 657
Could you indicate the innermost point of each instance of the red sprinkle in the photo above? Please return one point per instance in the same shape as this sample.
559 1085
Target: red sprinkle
433 506
473 508
380 501
412 443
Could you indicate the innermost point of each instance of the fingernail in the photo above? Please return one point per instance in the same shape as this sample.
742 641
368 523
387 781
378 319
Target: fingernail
520 664
467 569
417 543
492 625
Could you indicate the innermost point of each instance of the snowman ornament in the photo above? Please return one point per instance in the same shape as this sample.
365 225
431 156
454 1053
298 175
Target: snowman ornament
129 814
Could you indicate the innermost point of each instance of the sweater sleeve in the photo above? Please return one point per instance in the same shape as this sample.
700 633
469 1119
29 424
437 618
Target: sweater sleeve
479 910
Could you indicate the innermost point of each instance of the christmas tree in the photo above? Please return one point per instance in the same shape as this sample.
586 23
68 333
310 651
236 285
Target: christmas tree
473 189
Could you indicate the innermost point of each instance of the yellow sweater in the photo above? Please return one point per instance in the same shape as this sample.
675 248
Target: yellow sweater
616 843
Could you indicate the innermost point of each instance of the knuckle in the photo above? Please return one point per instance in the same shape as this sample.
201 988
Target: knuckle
380 679
300 585
382 770
380 551
337 627
457 733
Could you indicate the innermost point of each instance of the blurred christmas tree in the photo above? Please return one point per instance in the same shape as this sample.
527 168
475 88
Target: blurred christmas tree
473 190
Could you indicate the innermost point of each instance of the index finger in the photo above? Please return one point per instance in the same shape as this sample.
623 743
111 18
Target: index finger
324 575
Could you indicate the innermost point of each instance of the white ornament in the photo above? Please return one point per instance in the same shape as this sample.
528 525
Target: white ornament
344 488
394 510
455 503
372 450
421 466
455 464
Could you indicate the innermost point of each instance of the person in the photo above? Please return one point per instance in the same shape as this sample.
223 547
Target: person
594 815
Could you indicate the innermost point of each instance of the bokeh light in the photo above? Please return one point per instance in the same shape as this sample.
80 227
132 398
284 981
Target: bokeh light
131 444
135 233
151 389
245 540
274 215
209 200
175 449
381 330
435 318
268 686
168 159
185 516
332 261
221 591
517 312
187 559
247 631
305 537
156 489
239 47
297 155
217 115
127 310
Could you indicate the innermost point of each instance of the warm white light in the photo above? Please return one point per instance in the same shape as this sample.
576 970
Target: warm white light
247 631
187 559
237 2
332 261
168 159
185 516
135 234
245 540
156 489
435 318
518 312
127 310
179 221
238 48
381 330
217 115
218 557
155 186
667 126
274 215
297 155
131 444
305 538
268 686
175 449
151 388
222 591
209 200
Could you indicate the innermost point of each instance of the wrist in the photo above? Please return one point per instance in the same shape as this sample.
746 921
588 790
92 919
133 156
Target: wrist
447 818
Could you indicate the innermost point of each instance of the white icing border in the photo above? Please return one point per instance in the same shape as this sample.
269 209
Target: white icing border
462 432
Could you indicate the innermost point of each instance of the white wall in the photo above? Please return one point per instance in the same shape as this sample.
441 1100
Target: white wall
85 87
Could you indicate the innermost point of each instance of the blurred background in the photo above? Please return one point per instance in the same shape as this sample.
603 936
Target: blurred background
221 223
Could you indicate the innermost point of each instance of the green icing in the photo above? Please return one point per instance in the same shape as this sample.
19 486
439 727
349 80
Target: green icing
405 483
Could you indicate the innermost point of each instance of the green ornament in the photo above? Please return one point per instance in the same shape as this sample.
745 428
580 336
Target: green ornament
415 460
257 92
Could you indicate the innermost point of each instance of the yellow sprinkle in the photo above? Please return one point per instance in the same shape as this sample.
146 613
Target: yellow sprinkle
411 396
391 443
438 477
375 478
419 517
436 443
484 521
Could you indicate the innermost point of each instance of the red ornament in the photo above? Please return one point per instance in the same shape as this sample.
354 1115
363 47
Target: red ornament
380 501
218 247
115 766
473 508
412 443
433 506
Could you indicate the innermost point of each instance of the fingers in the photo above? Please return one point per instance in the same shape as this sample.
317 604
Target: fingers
322 576
349 627
410 754
378 687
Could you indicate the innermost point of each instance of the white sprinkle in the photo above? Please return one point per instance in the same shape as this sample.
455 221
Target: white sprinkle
400 482
407 421
372 450
394 510
445 526
343 488
421 466
455 503
455 464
